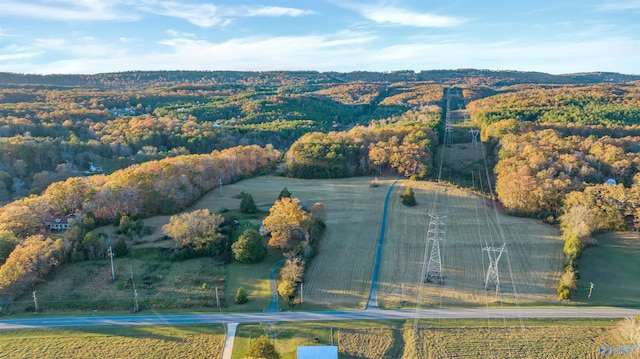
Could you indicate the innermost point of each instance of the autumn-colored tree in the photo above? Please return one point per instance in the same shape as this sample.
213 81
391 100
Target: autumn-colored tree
8 242
29 262
193 228
262 348
286 218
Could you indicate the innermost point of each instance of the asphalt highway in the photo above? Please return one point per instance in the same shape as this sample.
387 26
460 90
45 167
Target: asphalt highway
272 317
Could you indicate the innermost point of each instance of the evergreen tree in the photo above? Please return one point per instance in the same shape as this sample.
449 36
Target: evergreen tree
120 248
248 205
284 193
249 247
408 198
241 296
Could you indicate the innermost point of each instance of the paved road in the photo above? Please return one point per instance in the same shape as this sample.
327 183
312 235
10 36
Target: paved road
273 306
372 302
227 351
268 317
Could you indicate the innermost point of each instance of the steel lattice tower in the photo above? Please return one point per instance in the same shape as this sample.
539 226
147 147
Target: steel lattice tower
434 269
474 136
492 272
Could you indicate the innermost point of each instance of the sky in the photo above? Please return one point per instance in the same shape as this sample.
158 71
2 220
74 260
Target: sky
97 36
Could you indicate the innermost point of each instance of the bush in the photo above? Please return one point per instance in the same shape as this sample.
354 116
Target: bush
248 205
249 247
121 249
262 348
284 193
241 296
408 198
564 292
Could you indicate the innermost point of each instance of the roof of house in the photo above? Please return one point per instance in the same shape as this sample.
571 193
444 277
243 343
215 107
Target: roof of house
317 352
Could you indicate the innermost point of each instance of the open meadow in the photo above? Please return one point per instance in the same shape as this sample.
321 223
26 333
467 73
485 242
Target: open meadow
341 273
441 339
187 341
612 266
529 269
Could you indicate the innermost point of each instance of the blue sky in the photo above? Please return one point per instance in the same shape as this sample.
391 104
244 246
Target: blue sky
93 36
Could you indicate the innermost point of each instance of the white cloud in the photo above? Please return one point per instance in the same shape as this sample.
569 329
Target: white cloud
66 10
619 5
275 11
17 53
208 15
384 14
605 54
84 47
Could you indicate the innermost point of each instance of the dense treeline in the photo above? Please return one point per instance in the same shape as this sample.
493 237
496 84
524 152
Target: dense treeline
537 169
403 145
146 79
47 135
157 187
608 105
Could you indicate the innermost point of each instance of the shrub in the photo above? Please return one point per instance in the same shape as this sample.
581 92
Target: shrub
248 205
408 198
564 292
241 296
249 247
120 248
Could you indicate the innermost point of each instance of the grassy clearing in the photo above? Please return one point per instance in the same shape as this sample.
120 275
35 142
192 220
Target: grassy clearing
529 270
114 342
254 278
495 338
613 268
340 275
160 283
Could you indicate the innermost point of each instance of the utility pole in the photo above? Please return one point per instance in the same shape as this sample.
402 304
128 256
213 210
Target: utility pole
220 185
217 298
402 293
135 292
35 301
591 285
110 254
301 292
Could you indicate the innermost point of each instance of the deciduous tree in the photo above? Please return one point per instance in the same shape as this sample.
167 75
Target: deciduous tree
192 228
263 349
285 218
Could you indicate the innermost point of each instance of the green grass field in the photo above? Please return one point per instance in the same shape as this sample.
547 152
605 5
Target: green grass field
612 266
496 338
340 275
114 342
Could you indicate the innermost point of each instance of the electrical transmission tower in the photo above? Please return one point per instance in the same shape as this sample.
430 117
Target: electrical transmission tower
434 235
474 136
492 272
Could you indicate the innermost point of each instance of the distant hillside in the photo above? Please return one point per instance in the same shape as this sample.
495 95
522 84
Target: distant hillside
146 79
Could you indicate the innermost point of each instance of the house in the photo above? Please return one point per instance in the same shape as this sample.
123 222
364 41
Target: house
61 223
318 352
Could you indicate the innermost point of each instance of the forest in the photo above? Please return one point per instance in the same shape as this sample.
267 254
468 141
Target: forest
145 143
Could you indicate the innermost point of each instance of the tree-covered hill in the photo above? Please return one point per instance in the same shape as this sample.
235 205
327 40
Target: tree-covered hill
147 79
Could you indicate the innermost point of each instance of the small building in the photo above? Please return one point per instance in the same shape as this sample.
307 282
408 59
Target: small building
318 352
61 223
